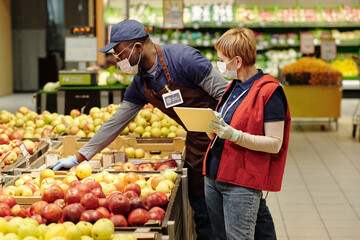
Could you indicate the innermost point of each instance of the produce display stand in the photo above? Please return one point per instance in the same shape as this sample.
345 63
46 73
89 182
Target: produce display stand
21 162
312 102
70 97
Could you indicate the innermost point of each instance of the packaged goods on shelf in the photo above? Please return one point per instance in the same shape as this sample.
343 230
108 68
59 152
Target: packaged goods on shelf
288 14
350 13
309 70
309 14
266 14
331 14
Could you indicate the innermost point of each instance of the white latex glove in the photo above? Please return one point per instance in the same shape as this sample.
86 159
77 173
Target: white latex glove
217 114
223 130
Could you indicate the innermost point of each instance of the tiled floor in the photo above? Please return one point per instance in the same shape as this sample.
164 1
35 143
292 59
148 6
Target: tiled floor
320 197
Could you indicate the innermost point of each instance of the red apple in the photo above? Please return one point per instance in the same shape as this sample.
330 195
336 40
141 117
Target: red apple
155 181
119 184
139 202
52 213
73 195
138 217
52 193
8 218
60 203
98 192
27 211
156 200
133 187
73 212
83 187
18 211
74 183
93 184
5 210
7 191
29 145
4 139
171 163
32 186
38 207
129 166
119 221
90 201
159 212
104 202
91 216
38 218
16 136
104 211
163 167
15 143
163 197
8 199
130 194
119 204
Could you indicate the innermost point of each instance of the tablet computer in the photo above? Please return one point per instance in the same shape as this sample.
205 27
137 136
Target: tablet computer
196 119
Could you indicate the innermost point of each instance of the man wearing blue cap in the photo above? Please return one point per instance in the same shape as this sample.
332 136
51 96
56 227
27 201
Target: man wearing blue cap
171 70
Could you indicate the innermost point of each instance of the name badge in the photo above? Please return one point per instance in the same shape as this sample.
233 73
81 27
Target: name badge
172 98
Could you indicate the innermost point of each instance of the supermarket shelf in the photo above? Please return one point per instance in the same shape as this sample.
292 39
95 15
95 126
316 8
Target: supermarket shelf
353 84
273 25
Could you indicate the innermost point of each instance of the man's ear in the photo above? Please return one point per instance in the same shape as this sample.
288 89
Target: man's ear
139 47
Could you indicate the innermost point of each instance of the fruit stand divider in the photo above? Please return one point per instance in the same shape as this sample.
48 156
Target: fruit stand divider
21 163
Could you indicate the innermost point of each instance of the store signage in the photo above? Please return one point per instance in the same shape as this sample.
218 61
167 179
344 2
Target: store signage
173 14
328 50
307 45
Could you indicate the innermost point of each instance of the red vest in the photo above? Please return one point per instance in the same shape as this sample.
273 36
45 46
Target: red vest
245 167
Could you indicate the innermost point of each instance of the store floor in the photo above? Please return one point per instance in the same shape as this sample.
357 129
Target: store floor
321 187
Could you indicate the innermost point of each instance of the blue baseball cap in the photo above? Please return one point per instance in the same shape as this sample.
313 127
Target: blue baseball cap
124 31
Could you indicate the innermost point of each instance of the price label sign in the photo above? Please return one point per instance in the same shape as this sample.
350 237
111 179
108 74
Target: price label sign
24 150
307 45
173 14
328 50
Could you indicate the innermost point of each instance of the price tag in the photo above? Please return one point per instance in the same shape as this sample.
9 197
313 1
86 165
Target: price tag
307 45
51 159
24 150
328 49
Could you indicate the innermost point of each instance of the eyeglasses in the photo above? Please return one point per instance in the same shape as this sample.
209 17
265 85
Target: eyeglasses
117 56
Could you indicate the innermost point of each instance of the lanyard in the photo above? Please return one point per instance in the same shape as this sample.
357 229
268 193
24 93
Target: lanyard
222 109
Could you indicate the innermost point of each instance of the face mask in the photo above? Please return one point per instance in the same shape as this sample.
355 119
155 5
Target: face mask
125 64
226 73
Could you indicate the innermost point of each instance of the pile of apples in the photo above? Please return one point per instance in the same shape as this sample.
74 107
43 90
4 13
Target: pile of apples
124 198
18 228
154 164
12 144
150 122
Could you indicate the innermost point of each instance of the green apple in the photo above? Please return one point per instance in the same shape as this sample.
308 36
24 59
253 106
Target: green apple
26 230
170 175
103 229
164 186
11 236
3 225
14 224
75 232
85 227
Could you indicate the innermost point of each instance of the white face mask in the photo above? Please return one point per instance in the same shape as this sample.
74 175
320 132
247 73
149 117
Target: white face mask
226 73
125 64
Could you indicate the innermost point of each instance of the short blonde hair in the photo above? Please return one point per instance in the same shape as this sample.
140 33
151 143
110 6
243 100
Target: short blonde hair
238 42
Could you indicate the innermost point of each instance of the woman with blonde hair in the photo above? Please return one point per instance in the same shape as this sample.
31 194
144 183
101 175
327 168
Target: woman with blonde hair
247 153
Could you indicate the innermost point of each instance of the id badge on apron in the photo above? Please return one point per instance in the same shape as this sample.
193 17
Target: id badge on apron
172 98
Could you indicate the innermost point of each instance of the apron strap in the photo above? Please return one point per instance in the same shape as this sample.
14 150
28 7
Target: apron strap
162 61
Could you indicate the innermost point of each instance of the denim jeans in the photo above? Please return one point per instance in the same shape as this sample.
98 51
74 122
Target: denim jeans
264 229
201 218
232 209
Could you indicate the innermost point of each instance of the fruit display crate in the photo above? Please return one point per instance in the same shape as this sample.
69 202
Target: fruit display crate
172 225
22 163
115 151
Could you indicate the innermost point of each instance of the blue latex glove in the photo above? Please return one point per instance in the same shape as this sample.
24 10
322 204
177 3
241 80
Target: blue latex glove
223 130
66 163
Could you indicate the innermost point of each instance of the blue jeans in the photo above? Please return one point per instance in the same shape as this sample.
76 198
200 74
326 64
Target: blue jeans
264 229
201 218
232 209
